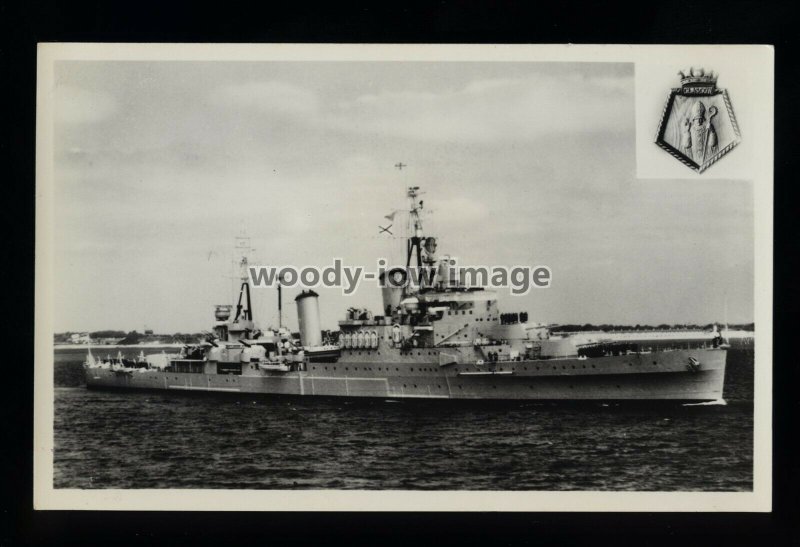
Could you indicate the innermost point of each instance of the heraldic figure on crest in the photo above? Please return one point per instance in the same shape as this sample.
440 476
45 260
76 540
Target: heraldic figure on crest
699 138
698 125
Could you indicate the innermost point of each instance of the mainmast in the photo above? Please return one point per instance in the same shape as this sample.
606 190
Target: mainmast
244 308
241 326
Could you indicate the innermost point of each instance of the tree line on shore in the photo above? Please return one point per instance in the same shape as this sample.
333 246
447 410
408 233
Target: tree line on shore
134 337
127 338
610 327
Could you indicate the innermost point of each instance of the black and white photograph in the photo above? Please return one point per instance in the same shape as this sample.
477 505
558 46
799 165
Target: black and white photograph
403 277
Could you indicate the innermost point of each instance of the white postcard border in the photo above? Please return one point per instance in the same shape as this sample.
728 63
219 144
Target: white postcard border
757 60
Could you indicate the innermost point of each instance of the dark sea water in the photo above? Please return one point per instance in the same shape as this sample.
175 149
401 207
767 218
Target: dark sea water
178 440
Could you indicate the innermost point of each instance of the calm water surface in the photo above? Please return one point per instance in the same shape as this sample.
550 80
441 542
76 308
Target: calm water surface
106 439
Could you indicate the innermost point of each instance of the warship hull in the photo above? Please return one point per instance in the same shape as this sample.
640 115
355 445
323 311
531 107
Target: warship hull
692 375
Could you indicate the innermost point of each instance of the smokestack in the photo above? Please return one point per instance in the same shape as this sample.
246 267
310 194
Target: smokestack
308 318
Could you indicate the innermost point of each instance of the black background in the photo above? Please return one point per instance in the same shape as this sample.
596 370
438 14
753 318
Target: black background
23 24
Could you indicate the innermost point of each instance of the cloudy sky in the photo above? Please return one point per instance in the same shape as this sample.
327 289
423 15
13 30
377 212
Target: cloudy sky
159 165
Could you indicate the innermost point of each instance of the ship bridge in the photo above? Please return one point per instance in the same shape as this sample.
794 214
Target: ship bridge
437 310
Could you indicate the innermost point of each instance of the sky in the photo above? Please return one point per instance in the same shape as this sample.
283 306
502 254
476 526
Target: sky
159 165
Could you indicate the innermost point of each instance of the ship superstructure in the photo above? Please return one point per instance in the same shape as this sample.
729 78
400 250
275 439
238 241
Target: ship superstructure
434 339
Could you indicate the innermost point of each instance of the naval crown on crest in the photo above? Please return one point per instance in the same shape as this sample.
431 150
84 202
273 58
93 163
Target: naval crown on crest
698 77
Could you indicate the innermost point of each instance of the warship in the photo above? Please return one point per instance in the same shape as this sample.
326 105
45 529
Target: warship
436 339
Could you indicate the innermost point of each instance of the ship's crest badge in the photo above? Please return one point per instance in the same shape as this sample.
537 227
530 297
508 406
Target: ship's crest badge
698 126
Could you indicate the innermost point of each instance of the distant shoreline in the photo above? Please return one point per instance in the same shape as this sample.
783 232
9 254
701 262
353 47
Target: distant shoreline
114 346
737 334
